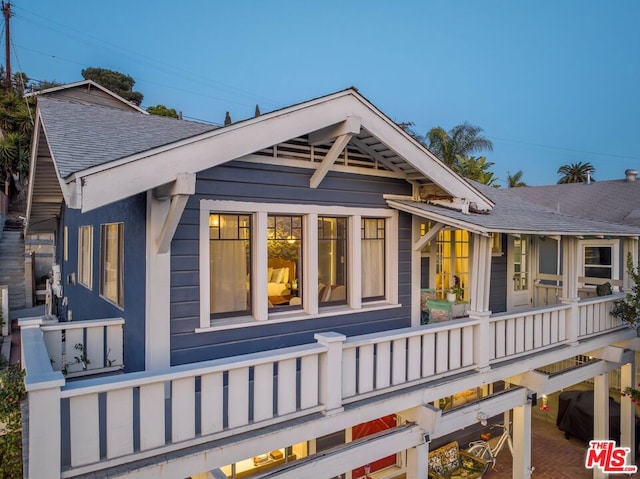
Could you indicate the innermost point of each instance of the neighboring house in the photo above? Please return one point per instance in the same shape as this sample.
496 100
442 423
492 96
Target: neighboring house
262 289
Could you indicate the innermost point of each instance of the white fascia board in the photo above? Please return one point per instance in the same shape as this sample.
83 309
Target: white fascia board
439 218
32 165
40 135
121 179
417 155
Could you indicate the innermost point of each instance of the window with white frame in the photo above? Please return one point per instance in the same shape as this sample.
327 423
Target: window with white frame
293 261
373 260
332 260
284 266
600 259
85 256
230 260
452 262
112 263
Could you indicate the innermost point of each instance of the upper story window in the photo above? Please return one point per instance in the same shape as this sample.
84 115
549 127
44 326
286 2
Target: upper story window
452 261
599 259
85 256
230 260
332 260
112 262
372 235
284 249
285 261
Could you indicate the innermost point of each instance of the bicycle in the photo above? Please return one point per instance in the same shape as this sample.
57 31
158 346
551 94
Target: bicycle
484 450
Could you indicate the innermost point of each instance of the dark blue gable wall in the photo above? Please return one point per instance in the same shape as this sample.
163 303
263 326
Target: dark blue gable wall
243 181
498 287
87 304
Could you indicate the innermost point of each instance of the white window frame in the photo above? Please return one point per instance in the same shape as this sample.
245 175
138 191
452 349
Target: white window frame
119 300
614 244
310 213
85 256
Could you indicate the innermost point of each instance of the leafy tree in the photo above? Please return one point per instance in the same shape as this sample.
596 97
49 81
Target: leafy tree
11 394
14 160
515 180
162 110
576 173
461 140
476 169
227 119
117 82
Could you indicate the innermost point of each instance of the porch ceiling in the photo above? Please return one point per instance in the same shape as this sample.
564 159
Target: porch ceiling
516 217
45 193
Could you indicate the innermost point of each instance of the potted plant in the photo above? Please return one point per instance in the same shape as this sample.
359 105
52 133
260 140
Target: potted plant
455 293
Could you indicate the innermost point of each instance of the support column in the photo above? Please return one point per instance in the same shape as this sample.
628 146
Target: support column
417 461
570 287
480 275
628 413
600 414
630 246
522 442
158 272
331 371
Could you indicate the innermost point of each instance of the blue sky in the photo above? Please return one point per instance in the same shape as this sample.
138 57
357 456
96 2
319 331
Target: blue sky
551 81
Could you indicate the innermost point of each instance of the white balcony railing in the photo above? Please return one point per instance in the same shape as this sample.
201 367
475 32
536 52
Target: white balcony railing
120 419
79 348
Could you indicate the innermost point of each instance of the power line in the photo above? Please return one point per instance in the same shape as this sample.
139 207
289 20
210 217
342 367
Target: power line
154 63
571 150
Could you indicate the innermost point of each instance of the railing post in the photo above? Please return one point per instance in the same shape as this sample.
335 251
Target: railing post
43 398
481 340
331 371
572 323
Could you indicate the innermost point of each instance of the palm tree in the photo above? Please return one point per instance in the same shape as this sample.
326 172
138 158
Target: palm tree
476 169
460 140
576 173
515 180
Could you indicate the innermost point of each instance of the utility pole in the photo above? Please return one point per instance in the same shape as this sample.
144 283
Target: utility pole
6 11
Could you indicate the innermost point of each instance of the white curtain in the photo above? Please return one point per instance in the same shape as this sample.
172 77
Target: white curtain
228 276
372 268
228 269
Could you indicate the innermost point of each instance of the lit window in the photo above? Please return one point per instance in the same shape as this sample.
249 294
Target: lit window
112 262
85 256
332 260
230 263
452 262
284 247
373 247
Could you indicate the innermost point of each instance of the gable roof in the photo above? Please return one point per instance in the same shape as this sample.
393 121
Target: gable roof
92 135
90 92
102 155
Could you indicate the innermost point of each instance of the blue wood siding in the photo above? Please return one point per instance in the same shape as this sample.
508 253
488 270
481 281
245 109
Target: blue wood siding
88 304
498 286
244 181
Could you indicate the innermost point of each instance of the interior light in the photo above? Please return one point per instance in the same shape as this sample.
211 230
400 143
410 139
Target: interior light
291 239
213 220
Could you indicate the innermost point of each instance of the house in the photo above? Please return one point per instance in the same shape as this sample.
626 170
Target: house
250 300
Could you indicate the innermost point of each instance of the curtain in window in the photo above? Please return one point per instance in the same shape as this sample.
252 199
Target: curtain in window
228 257
372 247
